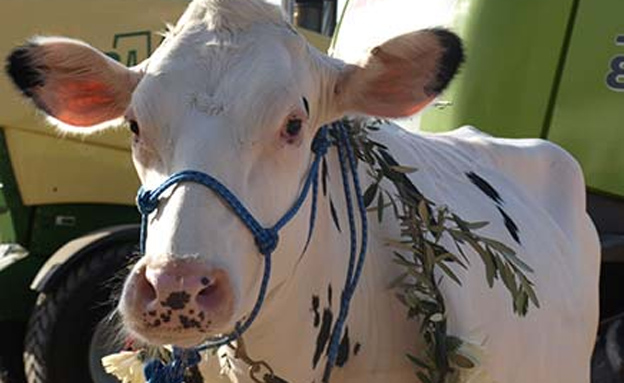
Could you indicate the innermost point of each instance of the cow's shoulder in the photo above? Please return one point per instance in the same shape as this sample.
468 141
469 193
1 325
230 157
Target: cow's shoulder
550 175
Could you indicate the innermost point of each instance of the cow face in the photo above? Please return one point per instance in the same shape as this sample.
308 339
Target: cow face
234 92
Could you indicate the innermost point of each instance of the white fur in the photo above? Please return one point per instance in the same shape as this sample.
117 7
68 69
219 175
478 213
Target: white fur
215 97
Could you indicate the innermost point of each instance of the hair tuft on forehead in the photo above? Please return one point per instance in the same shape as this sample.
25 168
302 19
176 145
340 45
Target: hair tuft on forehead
239 14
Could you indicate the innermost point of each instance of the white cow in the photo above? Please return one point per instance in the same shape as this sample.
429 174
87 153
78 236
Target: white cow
235 92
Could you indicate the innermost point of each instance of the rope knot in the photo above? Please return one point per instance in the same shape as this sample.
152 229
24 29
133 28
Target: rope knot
145 202
321 143
267 241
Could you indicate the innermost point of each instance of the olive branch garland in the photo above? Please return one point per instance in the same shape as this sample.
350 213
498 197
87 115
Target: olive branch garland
426 261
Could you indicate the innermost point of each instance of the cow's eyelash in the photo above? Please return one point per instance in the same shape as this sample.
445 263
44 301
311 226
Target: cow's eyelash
133 126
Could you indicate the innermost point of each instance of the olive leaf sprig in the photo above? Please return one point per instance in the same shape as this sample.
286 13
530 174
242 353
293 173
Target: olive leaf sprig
423 225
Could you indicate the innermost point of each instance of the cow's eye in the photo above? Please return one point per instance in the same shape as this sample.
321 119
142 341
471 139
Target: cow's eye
134 127
293 127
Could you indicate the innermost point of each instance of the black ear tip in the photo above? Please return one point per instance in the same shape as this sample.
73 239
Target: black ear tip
21 68
452 58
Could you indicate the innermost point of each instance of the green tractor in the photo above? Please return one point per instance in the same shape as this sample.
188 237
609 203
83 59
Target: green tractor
68 226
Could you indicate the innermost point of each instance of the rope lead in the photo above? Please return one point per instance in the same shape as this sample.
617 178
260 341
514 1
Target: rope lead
266 240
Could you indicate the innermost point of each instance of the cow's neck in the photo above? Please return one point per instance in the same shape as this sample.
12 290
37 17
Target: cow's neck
293 334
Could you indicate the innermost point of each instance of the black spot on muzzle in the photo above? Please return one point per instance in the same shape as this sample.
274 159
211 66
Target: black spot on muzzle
177 300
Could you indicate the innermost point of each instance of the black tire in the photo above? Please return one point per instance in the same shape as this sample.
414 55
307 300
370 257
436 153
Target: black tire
63 322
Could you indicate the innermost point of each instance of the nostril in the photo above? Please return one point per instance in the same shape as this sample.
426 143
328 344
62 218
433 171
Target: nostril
145 290
207 291
209 297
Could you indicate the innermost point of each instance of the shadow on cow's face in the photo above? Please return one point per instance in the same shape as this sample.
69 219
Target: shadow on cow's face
236 93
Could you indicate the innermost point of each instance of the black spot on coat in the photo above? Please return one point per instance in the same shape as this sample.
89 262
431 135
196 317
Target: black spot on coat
511 226
315 310
485 187
356 348
323 336
329 295
343 350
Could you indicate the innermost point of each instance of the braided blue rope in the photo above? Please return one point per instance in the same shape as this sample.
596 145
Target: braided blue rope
157 372
266 240
354 270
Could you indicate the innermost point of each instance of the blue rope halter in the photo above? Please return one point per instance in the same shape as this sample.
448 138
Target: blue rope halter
266 240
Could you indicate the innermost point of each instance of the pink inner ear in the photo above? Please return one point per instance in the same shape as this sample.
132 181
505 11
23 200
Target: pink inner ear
84 102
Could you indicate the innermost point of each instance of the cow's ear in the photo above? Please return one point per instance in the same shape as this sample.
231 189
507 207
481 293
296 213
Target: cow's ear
400 76
71 81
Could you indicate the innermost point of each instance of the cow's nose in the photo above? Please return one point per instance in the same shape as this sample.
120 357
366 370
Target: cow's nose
188 287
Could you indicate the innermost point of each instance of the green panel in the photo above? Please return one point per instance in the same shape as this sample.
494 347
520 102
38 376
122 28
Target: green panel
7 234
15 294
588 118
513 52
14 223
55 225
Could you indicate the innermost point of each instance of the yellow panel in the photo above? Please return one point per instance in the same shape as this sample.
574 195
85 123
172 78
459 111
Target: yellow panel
321 42
94 169
63 170
114 26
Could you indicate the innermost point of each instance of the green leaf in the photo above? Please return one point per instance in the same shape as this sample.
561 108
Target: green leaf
528 287
509 279
476 225
520 304
498 246
370 193
334 215
424 378
400 245
324 175
403 169
419 362
490 269
461 361
396 282
423 212
520 263
449 273
437 317
453 343
380 207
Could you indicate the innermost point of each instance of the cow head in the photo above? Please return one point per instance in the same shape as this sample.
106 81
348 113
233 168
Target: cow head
235 92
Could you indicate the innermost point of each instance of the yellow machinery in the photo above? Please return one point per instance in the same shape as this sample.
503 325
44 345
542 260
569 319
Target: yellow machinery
56 189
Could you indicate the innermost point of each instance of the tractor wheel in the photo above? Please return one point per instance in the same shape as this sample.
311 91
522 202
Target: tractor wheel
71 327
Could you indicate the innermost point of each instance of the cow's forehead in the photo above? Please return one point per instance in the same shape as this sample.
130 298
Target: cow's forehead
212 54
238 65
